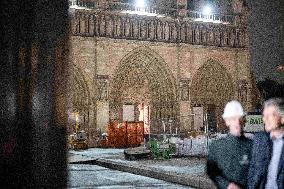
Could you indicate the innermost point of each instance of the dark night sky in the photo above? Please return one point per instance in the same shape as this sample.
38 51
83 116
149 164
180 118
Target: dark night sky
266 27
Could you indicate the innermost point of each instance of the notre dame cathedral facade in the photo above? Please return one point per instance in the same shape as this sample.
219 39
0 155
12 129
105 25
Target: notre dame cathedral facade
162 60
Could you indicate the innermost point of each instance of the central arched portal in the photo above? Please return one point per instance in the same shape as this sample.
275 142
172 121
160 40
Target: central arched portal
143 89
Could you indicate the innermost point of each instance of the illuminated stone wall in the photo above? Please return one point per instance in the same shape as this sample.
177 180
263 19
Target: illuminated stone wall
166 69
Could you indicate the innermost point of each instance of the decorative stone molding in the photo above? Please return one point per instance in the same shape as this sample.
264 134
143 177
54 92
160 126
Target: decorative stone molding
172 30
81 100
103 85
184 89
212 86
143 76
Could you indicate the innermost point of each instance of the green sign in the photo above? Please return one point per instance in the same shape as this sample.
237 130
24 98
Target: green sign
254 123
255 120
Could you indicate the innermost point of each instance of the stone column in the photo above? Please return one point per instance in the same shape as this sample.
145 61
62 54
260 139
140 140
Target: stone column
102 102
185 117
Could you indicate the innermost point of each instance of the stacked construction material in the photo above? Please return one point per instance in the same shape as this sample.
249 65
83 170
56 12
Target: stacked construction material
195 146
135 133
137 153
116 135
126 134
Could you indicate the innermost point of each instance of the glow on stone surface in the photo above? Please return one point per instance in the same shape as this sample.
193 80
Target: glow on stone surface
280 68
140 3
207 10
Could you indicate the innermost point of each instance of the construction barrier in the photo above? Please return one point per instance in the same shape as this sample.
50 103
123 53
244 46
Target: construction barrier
124 135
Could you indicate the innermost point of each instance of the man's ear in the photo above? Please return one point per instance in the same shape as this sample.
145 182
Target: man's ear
282 120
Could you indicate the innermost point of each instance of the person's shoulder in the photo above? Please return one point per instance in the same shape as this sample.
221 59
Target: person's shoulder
219 141
260 136
247 139
216 146
260 143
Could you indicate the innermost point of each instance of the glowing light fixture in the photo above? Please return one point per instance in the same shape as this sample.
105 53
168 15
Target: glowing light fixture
140 3
207 10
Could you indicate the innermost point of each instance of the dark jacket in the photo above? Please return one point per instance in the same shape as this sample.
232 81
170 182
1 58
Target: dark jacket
261 155
228 161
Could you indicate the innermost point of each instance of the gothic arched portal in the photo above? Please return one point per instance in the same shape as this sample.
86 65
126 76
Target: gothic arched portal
142 77
81 97
211 89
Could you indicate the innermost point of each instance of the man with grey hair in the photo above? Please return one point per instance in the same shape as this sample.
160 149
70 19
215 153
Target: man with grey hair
267 165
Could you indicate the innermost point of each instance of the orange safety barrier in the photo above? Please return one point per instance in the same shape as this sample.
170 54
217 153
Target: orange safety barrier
124 135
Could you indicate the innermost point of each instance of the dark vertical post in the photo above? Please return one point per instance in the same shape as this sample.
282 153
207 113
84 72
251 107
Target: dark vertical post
33 116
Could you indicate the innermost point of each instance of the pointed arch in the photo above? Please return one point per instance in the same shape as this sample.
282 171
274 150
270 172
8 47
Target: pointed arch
212 86
81 100
144 75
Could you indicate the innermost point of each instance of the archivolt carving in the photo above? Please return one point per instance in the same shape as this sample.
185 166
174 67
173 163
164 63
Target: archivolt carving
143 76
212 85
81 96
